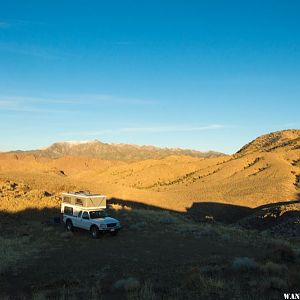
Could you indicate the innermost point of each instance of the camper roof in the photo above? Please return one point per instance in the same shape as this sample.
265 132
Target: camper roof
84 195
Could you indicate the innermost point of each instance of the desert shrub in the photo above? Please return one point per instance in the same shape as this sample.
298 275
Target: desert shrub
95 293
273 243
201 284
67 291
147 291
207 231
118 285
48 229
66 235
39 295
131 284
274 283
128 284
211 285
187 228
237 233
47 194
166 220
138 226
294 277
274 268
244 264
282 253
225 237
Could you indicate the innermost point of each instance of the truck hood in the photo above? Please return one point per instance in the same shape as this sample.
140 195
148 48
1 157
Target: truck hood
106 220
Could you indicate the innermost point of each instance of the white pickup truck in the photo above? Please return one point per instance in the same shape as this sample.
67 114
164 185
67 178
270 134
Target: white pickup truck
87 211
95 221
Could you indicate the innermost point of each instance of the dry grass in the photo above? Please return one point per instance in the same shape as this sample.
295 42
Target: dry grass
203 285
15 251
252 278
139 219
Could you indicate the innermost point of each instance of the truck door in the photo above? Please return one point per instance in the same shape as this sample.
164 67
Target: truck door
85 220
77 221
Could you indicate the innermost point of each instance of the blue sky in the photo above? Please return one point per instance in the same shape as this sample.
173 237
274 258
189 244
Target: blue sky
190 74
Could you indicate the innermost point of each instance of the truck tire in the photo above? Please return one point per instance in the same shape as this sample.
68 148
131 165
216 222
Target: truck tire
94 232
69 225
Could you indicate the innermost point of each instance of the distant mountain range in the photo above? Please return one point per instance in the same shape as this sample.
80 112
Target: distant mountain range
97 149
129 152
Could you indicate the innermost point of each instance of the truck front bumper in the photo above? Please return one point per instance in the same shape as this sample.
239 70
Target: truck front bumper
110 229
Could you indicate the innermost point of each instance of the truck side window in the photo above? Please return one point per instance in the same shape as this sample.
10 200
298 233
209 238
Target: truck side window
85 215
68 210
79 214
78 202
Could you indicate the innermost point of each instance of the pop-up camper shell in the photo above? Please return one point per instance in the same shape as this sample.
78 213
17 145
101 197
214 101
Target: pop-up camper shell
79 201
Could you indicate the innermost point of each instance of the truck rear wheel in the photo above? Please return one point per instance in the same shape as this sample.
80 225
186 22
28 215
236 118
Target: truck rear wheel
69 225
94 232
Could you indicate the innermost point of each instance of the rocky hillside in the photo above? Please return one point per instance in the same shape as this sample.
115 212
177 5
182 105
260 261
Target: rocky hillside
275 140
107 151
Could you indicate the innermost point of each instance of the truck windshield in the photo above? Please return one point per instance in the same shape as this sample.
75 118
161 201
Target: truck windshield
98 214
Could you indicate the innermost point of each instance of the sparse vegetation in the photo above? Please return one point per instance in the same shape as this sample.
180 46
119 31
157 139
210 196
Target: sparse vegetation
296 163
260 170
173 244
208 277
255 161
297 181
15 251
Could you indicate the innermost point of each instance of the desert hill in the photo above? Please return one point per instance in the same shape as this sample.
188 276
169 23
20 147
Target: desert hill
269 142
265 171
159 201
97 149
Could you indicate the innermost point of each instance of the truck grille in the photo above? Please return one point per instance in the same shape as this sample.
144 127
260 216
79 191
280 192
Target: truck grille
111 225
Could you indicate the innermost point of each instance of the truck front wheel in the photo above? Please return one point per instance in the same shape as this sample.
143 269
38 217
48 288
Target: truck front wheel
94 232
69 225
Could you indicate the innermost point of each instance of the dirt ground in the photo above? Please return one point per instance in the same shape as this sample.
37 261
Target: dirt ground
157 249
